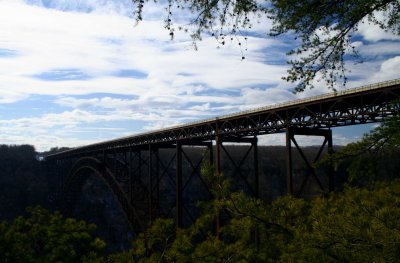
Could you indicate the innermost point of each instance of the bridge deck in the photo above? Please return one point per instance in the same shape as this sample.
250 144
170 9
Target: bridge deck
366 104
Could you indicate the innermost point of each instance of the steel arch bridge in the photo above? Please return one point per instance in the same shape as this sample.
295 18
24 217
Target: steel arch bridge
156 173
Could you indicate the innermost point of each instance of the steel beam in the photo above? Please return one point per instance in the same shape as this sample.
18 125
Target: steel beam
255 165
179 188
150 178
289 162
291 132
315 116
349 107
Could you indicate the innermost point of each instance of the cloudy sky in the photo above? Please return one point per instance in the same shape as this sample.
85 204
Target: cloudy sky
74 72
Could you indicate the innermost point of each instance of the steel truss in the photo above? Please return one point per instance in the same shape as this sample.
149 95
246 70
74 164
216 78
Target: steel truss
153 175
291 132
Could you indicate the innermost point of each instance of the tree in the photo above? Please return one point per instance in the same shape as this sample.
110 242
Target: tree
374 157
235 243
358 225
325 28
48 237
21 183
55 150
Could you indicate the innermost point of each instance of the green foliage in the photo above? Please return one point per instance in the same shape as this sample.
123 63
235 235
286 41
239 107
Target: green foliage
358 225
326 29
48 237
366 155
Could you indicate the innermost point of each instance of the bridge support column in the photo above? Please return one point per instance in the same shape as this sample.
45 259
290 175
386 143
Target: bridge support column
130 175
138 191
243 178
179 190
150 183
188 163
331 175
289 161
255 165
291 132
256 186
249 183
210 153
218 144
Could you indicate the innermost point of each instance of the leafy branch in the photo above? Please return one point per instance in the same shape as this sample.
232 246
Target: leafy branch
325 29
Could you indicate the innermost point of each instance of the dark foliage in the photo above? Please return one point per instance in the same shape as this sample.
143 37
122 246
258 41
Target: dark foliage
21 182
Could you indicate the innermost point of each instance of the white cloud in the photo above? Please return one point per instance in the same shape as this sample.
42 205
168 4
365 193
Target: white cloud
390 68
99 45
89 57
99 6
261 97
375 71
372 32
380 49
9 96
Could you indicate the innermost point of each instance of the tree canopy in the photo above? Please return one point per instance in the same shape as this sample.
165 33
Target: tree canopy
374 156
358 225
325 29
48 237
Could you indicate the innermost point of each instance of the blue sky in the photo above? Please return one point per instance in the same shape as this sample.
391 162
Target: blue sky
74 72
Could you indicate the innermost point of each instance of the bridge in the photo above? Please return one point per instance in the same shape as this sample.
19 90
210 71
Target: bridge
157 173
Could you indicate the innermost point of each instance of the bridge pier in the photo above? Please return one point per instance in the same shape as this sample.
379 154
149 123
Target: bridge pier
291 132
138 193
175 171
250 181
241 181
189 180
179 188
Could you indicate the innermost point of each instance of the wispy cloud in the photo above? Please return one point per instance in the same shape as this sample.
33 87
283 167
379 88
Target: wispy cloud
98 75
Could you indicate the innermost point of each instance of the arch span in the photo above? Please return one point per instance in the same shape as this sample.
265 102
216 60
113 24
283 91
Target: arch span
77 177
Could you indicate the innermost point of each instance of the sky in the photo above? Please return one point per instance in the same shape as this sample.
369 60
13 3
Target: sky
75 72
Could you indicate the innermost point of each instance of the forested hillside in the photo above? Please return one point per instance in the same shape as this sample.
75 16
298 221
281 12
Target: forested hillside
301 230
24 182
21 182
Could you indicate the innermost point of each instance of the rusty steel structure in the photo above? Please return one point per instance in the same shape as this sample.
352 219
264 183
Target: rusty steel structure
157 173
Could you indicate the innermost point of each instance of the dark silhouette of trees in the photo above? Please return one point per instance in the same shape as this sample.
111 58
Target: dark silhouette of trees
358 225
21 182
375 157
48 237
